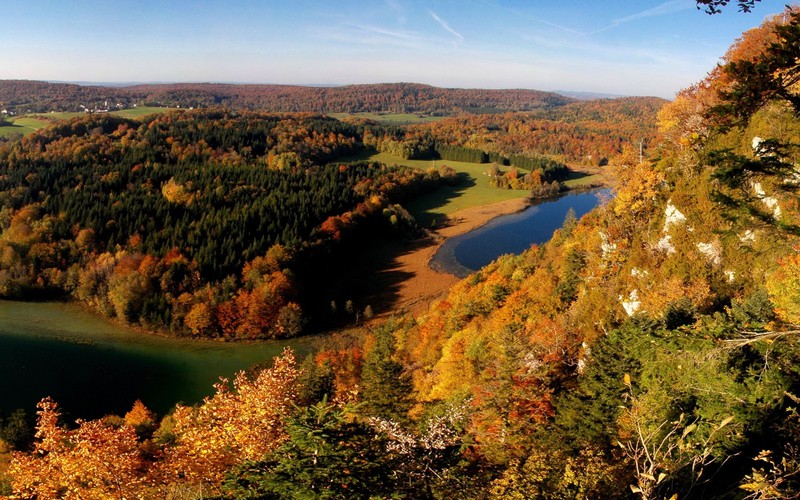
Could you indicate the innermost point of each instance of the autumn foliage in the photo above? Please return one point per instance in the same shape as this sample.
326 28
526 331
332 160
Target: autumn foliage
649 350
194 447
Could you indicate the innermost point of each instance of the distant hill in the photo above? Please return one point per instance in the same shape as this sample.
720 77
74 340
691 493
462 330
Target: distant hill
24 96
587 96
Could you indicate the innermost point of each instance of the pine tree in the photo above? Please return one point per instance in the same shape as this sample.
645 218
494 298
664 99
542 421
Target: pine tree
386 388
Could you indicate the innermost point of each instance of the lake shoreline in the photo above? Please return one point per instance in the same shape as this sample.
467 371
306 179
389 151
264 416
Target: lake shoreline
430 277
426 285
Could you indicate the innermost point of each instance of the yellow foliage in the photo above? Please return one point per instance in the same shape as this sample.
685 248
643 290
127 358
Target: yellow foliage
101 460
236 424
93 461
783 286
552 474
177 193
139 415
199 318
637 188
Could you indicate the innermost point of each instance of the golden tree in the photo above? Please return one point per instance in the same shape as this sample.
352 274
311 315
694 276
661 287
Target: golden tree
96 460
234 425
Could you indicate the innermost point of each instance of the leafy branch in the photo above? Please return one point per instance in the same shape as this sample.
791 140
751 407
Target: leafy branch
660 453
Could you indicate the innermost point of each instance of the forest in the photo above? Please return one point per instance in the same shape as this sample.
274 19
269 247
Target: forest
222 224
649 350
192 222
23 96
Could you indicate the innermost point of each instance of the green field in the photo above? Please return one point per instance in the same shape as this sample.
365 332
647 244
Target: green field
577 180
54 115
390 118
7 131
473 190
138 112
28 124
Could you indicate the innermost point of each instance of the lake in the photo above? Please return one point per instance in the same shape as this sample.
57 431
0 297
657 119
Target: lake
93 367
466 253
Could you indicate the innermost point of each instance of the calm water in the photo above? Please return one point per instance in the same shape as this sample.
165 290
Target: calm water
514 233
92 367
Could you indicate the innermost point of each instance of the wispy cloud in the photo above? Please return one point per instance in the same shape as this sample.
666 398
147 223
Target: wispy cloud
659 10
444 25
532 18
663 9
394 5
398 9
376 36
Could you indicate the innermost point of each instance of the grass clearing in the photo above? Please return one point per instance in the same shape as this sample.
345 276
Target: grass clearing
139 112
473 190
582 180
27 124
7 131
55 115
31 122
390 118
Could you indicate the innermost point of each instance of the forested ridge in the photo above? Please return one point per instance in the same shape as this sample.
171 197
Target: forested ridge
649 350
588 132
22 96
192 222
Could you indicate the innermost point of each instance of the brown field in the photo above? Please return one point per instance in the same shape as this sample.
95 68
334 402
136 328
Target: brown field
422 285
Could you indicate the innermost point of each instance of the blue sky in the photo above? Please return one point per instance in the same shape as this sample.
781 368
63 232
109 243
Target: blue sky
632 47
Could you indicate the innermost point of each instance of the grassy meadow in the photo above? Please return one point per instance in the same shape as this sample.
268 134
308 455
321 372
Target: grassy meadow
473 190
27 124
389 118
578 180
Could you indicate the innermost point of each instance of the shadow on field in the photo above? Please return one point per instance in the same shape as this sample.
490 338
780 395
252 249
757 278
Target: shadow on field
424 208
369 276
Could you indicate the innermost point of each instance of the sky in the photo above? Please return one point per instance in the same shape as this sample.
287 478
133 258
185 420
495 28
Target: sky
626 47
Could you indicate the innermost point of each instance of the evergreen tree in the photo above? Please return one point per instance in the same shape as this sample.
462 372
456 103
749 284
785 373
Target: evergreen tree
327 455
385 387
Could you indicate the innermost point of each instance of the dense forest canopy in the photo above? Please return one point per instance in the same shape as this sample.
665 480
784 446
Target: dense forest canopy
587 132
191 221
222 223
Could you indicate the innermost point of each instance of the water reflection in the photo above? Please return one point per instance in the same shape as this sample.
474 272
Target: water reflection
93 367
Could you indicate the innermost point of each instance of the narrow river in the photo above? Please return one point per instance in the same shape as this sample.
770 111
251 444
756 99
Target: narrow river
92 367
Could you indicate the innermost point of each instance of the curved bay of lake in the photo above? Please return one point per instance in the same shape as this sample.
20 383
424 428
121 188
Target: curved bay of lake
466 253
93 367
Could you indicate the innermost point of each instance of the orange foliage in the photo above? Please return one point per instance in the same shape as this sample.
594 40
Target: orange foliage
346 365
236 424
98 460
783 286
93 461
139 415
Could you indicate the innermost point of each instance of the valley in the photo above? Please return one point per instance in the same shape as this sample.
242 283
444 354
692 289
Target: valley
410 291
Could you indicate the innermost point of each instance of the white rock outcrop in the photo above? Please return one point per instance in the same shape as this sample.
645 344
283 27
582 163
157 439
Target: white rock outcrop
632 303
673 216
605 246
711 251
770 201
665 244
